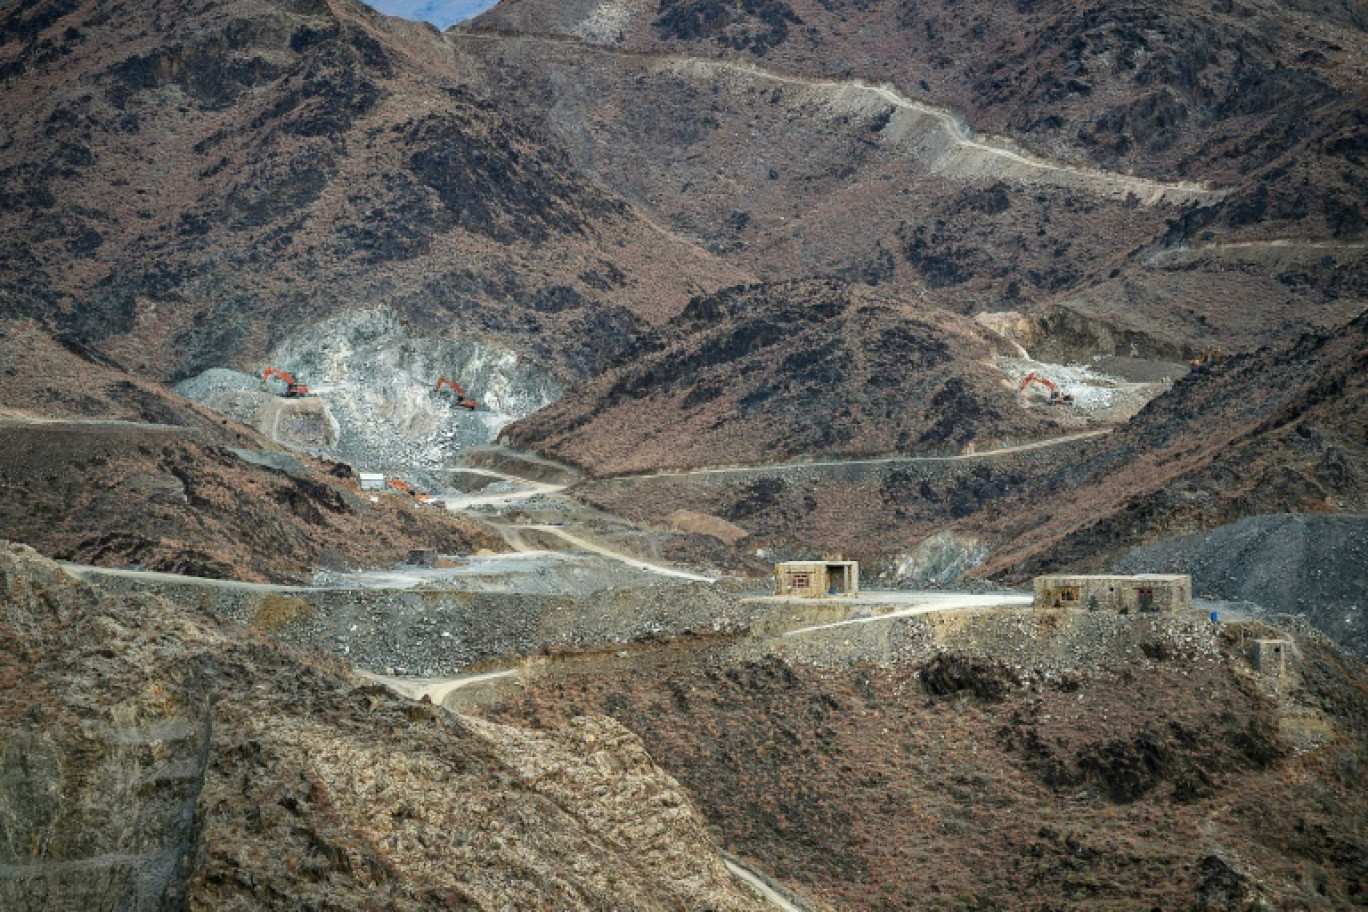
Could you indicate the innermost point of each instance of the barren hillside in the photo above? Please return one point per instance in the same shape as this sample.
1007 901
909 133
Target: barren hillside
101 467
187 185
1280 430
1266 89
767 372
1283 430
1259 104
265 779
1013 762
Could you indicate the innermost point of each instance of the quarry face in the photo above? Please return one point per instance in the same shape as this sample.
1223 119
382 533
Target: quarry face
373 400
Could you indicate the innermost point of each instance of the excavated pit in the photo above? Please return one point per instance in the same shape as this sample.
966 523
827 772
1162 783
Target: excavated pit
372 400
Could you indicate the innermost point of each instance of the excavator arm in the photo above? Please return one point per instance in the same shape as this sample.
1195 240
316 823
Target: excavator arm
293 390
462 400
1056 397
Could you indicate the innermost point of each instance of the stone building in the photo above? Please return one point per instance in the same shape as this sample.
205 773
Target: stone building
1147 592
817 579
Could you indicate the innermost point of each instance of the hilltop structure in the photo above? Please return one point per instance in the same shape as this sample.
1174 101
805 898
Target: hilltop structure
1147 592
817 579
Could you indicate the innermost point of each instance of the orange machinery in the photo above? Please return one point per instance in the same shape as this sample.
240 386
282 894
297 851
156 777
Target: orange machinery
400 485
293 390
1056 397
462 400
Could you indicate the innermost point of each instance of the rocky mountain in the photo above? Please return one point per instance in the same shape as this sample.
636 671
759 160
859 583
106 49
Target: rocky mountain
1006 760
99 466
1263 97
766 372
548 188
1292 438
187 186
1279 430
268 779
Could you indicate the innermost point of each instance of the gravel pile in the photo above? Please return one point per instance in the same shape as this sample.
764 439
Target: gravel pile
1311 565
443 632
1028 642
215 382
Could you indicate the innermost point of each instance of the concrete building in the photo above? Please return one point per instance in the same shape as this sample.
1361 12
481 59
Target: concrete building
1147 592
1270 656
817 579
372 481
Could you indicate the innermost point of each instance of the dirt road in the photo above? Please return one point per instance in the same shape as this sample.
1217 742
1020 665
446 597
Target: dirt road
435 689
917 603
955 151
760 884
90 574
527 489
633 562
883 460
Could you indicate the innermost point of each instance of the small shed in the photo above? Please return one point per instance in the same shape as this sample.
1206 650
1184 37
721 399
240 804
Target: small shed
817 579
1146 592
372 481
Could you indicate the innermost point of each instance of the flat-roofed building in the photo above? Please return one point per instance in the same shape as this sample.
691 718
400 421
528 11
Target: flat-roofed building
1146 592
817 579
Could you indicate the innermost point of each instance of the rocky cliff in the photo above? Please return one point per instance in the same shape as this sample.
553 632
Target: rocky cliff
1008 759
154 761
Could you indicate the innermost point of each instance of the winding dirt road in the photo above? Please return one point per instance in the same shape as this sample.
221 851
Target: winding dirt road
940 139
882 460
587 545
527 489
760 884
435 689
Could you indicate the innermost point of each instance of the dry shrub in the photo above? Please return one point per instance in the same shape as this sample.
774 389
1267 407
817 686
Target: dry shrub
279 611
949 675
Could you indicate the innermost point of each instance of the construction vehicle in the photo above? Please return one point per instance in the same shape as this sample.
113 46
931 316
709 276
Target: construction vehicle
400 485
462 400
1056 397
1210 357
293 390
1202 364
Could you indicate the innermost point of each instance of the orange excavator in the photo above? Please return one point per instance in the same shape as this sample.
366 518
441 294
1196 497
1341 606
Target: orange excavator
400 485
462 400
293 390
1210 357
1056 397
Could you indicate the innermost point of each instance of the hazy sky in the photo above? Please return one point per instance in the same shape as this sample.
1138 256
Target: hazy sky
440 13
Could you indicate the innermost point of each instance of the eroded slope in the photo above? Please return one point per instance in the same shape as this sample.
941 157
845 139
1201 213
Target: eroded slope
1007 760
194 768
760 373
1259 101
1279 431
98 466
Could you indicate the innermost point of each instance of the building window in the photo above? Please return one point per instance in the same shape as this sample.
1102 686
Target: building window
1068 593
801 580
